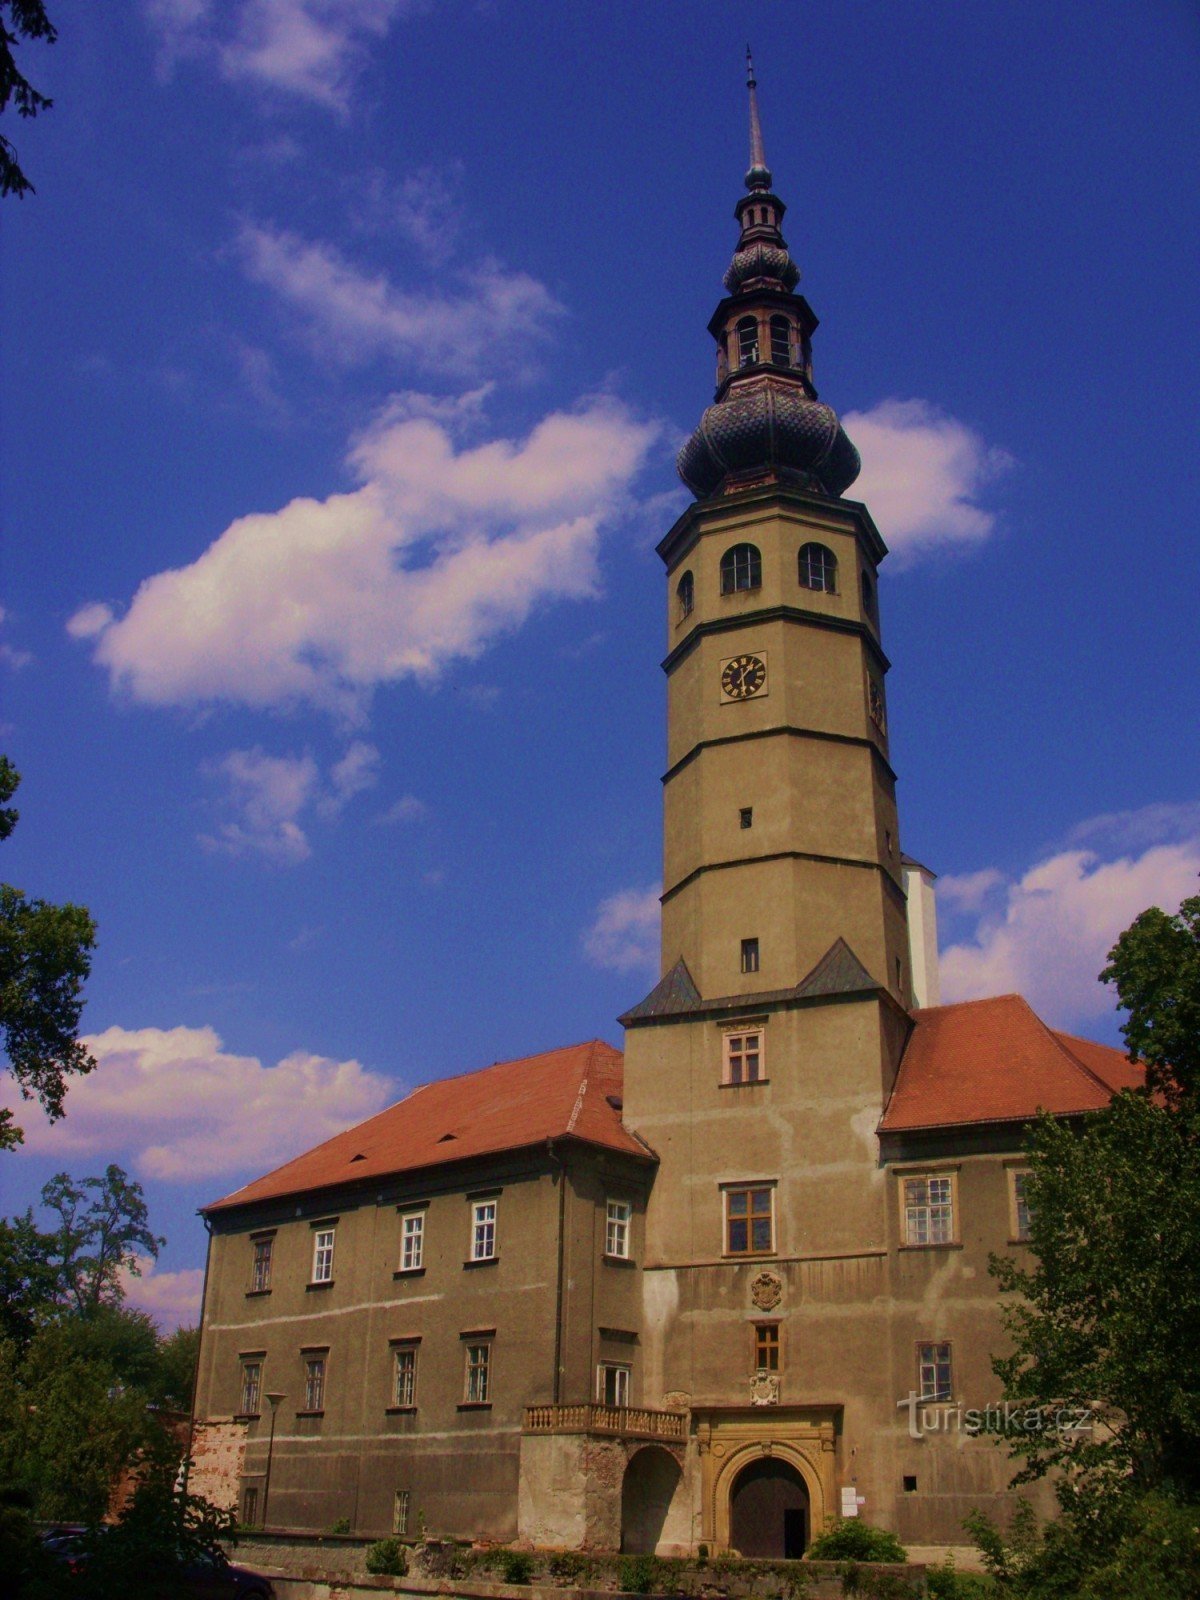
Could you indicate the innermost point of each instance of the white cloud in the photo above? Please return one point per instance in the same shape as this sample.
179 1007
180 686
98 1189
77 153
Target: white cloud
171 1298
266 797
969 891
357 771
407 809
312 49
625 933
439 552
10 656
922 475
1047 933
180 1108
491 318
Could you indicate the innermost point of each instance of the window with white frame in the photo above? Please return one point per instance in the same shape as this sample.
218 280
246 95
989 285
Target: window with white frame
750 1219
322 1263
251 1386
412 1241
483 1230
404 1389
260 1276
933 1371
616 1228
401 1508
612 1383
478 1378
314 1382
744 1056
1021 1211
929 1209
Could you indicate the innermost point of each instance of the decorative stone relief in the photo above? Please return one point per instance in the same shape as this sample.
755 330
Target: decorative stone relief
764 1389
767 1291
676 1400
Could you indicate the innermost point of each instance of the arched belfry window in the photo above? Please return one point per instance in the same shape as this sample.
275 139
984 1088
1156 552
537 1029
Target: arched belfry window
781 342
685 595
818 568
741 568
747 332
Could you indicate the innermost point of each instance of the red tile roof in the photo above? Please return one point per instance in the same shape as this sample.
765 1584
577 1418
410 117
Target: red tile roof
509 1106
997 1061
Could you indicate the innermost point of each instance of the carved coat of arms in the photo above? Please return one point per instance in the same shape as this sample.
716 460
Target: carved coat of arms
766 1291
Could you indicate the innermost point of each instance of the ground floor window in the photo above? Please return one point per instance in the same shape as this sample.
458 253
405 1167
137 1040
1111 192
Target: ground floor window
250 1507
400 1511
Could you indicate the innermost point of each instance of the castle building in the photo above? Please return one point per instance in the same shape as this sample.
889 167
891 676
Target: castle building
734 1284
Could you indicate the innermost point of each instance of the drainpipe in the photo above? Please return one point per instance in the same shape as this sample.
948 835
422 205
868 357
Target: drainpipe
558 1301
191 1438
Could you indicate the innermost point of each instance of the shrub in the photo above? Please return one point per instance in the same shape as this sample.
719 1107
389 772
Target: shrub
386 1559
567 1567
515 1566
947 1583
638 1574
342 1525
852 1539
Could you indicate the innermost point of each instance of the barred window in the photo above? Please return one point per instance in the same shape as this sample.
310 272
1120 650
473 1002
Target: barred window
747 332
1022 1213
406 1375
400 1511
781 342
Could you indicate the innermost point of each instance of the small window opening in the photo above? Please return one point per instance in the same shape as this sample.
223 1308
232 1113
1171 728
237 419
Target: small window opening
781 342
868 595
741 568
746 817
685 595
899 974
747 332
818 568
766 1346
749 955
910 1483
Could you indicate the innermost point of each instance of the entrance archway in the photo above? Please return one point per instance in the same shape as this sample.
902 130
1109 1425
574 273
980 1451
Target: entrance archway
769 1511
647 1490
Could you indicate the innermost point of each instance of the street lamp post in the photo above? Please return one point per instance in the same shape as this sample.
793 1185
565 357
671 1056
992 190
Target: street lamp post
273 1401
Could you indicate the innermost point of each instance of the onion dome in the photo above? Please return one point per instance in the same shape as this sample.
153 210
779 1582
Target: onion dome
766 419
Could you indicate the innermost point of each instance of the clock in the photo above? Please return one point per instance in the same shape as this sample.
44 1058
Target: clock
743 676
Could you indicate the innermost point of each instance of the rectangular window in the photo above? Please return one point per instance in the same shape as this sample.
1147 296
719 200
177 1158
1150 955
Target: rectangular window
314 1383
406 1375
749 1221
251 1387
616 1229
322 1267
933 1371
1021 1213
250 1507
744 1057
260 1280
766 1346
412 1241
400 1511
929 1210
746 817
479 1373
749 955
483 1230
612 1384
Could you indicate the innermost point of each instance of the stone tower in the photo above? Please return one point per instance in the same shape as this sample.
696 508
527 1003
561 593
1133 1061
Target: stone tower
758 1066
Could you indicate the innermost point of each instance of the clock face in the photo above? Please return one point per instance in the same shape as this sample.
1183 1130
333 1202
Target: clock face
743 676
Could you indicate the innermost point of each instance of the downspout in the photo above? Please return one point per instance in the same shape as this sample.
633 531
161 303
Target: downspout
191 1438
558 1299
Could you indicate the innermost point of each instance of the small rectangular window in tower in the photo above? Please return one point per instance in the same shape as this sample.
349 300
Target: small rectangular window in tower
749 955
899 975
910 1483
766 1346
744 1057
746 816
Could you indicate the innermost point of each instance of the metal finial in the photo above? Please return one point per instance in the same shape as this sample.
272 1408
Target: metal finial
757 157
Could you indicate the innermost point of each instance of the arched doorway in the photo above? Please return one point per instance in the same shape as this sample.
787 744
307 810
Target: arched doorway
769 1511
647 1490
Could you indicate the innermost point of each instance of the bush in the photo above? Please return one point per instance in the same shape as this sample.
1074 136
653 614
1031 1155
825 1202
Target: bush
638 1574
386 1558
568 1568
515 1566
852 1539
947 1583
342 1525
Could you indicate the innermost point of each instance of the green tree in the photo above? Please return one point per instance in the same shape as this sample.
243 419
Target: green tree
19 19
29 1278
103 1226
45 957
1155 968
176 1369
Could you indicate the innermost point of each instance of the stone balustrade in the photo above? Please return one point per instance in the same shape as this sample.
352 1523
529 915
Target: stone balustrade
628 1422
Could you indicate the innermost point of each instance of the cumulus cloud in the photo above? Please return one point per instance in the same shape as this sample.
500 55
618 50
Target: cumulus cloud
179 1107
923 473
493 318
1048 932
171 1298
312 49
407 809
439 552
624 936
266 796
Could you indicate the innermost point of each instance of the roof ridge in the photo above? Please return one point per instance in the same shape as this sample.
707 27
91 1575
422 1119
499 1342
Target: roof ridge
976 1000
583 1086
1059 1044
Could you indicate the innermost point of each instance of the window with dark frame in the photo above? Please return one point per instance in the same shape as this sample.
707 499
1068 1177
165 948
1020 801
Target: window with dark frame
868 595
747 332
314 1383
685 595
1022 1213
933 1371
478 1386
261 1273
766 1346
744 1056
250 1506
781 342
741 568
251 1388
405 1386
746 816
818 568
749 1220
749 955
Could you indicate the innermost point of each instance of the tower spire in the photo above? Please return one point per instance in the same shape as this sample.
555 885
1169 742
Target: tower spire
759 175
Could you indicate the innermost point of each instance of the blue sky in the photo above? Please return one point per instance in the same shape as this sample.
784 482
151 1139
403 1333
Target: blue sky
348 345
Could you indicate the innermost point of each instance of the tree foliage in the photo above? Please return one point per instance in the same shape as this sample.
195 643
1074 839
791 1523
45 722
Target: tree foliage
19 19
45 957
1155 967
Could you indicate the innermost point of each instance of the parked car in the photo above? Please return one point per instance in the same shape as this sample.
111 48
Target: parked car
205 1577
